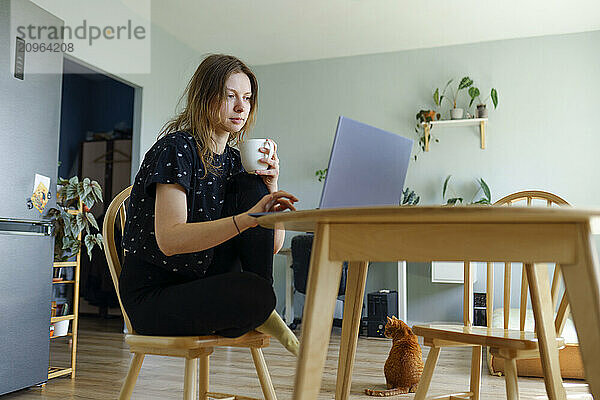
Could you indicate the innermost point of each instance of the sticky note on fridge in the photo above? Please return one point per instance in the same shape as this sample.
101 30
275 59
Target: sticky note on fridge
41 187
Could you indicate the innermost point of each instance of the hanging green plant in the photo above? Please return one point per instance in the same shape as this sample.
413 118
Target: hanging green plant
424 116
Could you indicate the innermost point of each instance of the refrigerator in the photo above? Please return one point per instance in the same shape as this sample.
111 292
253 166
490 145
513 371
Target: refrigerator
29 134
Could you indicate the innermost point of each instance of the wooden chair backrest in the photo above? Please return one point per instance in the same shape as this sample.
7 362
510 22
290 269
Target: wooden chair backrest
117 206
526 198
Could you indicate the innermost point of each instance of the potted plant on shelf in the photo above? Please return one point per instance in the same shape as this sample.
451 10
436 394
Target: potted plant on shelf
82 196
481 111
455 113
437 98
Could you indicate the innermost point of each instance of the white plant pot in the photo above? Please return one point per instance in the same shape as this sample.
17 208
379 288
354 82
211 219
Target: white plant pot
456 113
61 328
482 111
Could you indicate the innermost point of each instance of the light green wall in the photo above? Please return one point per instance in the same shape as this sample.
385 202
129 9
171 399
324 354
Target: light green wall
542 136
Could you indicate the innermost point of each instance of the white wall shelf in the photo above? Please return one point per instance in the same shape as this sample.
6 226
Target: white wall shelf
427 126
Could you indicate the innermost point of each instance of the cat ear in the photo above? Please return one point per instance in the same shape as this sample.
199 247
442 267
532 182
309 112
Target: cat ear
389 319
394 318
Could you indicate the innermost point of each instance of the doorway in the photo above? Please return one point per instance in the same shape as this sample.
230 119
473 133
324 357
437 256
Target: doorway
99 139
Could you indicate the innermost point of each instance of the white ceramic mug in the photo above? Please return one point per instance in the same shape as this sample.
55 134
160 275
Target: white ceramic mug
249 151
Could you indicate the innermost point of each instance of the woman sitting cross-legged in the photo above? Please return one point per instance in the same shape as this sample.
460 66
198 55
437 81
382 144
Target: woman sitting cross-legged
196 261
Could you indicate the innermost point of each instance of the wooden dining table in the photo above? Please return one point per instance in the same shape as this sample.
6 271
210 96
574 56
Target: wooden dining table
415 233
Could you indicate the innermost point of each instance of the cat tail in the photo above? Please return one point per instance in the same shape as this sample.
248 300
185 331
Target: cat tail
388 392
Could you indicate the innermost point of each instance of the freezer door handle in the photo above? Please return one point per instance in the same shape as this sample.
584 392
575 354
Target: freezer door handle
17 227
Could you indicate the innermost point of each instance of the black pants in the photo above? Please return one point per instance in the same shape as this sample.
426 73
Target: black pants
234 297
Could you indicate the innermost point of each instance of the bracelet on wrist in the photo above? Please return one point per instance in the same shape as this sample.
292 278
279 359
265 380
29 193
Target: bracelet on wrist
236 225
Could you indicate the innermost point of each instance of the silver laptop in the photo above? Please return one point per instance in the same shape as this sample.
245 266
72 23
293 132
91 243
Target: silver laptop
367 167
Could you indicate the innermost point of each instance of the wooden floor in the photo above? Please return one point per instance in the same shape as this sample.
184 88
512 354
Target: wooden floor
103 360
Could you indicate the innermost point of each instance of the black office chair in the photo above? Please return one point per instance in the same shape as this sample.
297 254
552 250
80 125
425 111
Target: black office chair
301 248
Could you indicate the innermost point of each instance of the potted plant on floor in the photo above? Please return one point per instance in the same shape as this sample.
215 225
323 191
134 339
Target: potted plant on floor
75 195
321 174
483 187
409 198
481 111
455 112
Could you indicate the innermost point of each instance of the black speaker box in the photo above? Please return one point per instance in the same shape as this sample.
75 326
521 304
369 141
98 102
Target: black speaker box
380 305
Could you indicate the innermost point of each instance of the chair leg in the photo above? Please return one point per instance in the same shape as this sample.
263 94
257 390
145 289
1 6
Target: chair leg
132 374
510 377
541 303
432 357
263 374
189 379
203 381
476 372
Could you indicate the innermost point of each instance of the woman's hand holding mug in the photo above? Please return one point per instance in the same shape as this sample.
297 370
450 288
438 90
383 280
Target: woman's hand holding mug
267 166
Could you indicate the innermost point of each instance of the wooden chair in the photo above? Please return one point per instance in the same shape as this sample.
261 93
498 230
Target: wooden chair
504 343
195 349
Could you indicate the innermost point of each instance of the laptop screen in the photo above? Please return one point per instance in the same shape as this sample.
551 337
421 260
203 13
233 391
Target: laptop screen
367 166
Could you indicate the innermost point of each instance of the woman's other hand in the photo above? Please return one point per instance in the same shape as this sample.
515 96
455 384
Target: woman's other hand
277 201
271 174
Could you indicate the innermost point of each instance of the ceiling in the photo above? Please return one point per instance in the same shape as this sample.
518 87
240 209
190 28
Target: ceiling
276 31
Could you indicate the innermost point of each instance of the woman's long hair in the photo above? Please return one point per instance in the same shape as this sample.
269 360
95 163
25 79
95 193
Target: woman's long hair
205 92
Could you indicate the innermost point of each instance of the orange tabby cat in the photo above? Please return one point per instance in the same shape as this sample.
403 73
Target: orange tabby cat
404 365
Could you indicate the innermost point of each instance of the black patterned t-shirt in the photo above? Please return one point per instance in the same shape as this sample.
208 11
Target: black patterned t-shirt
174 159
